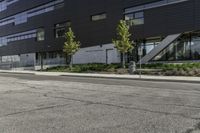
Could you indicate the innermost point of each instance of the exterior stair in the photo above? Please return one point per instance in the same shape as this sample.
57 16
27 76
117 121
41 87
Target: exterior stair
165 42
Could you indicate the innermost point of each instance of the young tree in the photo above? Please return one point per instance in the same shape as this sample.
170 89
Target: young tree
123 42
71 46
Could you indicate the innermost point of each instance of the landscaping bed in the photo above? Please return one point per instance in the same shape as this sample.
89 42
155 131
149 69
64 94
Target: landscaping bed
182 69
90 68
185 69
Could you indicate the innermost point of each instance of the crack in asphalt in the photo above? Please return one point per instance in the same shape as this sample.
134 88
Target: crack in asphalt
33 110
87 102
178 105
114 92
195 128
125 107
153 95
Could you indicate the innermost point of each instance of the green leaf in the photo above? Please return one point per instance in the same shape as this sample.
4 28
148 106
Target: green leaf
123 42
70 46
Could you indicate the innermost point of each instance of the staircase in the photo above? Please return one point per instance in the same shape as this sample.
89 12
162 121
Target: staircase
165 42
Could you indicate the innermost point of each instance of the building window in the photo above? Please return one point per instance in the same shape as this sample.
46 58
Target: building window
61 28
24 16
21 18
135 18
4 40
152 5
98 17
59 6
195 48
52 55
40 35
148 45
185 48
4 4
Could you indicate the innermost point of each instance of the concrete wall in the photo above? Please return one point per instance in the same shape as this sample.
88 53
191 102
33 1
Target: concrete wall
97 54
27 59
13 58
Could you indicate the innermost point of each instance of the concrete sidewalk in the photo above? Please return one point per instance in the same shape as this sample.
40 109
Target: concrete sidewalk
111 76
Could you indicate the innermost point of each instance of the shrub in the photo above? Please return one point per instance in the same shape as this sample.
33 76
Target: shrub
186 69
85 68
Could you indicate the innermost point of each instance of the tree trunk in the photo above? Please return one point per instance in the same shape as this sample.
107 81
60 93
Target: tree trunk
41 61
71 62
123 60
68 60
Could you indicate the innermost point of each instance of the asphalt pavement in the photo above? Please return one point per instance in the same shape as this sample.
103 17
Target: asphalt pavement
59 104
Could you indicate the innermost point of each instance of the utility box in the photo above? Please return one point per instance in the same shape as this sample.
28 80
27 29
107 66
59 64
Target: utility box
132 67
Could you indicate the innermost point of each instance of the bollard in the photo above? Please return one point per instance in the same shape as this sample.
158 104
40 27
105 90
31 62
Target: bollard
132 67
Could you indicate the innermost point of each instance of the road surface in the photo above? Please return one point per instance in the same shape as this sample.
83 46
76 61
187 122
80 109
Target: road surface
48 104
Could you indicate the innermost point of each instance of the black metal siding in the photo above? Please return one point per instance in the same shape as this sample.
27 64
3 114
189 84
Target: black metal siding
158 22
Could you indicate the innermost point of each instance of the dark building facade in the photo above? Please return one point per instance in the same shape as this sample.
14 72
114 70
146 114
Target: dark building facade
32 30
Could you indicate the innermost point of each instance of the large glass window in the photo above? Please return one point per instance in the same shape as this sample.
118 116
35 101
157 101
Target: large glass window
4 40
40 35
135 14
151 45
61 28
152 5
182 49
168 54
5 3
195 48
23 17
185 48
52 55
135 18
148 45
98 17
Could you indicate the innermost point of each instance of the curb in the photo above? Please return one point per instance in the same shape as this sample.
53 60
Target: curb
120 77
139 79
25 73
